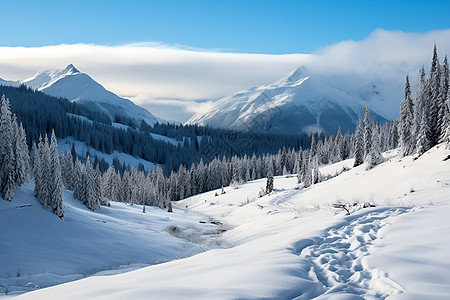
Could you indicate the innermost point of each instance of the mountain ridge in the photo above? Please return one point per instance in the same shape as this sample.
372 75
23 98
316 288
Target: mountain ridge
302 101
79 87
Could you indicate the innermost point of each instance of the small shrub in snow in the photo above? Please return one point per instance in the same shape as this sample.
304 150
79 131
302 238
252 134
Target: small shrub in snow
262 193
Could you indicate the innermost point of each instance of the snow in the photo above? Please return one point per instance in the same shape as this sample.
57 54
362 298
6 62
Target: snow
166 139
294 244
82 149
302 101
41 249
81 118
121 126
76 86
415 251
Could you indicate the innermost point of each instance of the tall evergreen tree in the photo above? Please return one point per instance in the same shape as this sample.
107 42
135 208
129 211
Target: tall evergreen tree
374 156
7 157
269 182
22 156
367 132
420 98
433 99
442 101
423 139
359 144
407 142
56 183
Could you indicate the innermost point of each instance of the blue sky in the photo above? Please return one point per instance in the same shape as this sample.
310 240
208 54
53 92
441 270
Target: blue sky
271 27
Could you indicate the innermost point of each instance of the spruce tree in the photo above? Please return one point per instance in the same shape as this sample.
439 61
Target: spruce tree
23 157
37 170
46 182
407 142
7 157
367 132
442 101
56 183
374 156
359 141
423 141
433 99
269 183
420 98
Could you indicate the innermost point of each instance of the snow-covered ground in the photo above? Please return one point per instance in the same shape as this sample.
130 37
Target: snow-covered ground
37 249
82 149
294 244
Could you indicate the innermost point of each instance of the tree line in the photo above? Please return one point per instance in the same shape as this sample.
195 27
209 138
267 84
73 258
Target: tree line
425 116
40 114
424 122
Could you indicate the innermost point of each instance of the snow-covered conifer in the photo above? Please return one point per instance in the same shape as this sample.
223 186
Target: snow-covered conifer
359 144
407 142
55 178
374 156
7 157
367 132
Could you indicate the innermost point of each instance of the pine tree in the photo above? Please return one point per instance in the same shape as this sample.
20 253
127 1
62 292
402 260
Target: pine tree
442 101
446 124
423 141
23 157
407 142
77 182
269 183
37 169
314 170
420 98
359 141
91 187
338 146
56 184
433 99
374 156
367 132
307 177
7 157
44 190
67 170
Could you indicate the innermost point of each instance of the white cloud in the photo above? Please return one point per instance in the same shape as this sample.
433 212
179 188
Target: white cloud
150 72
382 54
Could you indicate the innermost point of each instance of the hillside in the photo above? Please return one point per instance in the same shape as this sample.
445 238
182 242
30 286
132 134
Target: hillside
294 243
304 102
40 250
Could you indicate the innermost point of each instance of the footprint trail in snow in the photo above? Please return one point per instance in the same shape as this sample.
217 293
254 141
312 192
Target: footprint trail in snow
337 260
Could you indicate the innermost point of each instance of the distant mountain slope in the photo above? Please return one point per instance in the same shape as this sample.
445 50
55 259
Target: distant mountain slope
9 82
76 86
300 102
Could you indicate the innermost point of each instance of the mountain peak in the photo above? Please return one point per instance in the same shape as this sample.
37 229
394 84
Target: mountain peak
70 69
293 77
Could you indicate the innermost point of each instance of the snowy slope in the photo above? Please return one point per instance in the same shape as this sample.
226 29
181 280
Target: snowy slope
82 149
80 87
39 249
302 101
293 243
9 82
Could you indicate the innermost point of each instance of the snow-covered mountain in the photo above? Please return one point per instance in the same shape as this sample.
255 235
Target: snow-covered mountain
76 86
303 101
